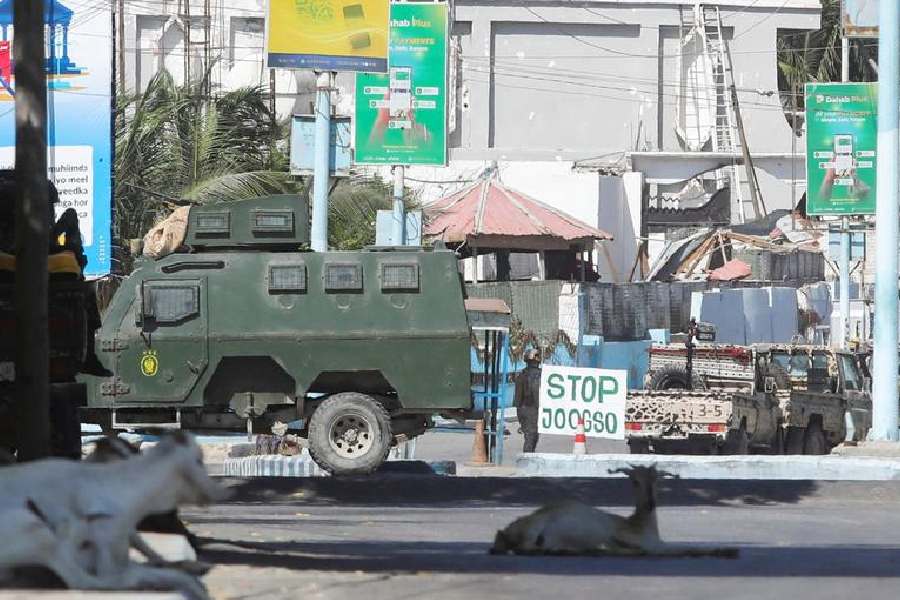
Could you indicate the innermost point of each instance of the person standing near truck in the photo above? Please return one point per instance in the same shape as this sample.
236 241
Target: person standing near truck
527 398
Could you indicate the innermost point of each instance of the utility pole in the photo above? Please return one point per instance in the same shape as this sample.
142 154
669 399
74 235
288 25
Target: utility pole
321 159
884 384
32 233
398 228
120 42
844 262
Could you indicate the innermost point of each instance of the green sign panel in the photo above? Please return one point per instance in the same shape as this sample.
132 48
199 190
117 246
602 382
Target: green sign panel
841 143
401 117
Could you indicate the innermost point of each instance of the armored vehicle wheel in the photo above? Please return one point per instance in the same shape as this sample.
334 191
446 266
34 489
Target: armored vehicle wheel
674 378
814 440
793 440
350 434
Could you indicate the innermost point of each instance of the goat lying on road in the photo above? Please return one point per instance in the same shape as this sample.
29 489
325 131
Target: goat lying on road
574 528
103 503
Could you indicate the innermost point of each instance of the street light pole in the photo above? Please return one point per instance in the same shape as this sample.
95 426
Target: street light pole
321 159
884 384
844 259
32 234
398 223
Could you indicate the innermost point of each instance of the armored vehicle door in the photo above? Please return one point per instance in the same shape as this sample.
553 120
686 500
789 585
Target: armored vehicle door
164 341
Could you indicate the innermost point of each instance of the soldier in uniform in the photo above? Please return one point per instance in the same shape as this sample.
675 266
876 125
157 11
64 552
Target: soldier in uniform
528 386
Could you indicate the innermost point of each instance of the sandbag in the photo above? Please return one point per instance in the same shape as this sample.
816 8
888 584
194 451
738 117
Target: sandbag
168 235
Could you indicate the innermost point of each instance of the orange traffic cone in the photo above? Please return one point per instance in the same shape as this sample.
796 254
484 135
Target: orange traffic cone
479 449
579 447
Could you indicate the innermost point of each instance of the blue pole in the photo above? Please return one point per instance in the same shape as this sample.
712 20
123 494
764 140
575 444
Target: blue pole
322 148
884 396
398 228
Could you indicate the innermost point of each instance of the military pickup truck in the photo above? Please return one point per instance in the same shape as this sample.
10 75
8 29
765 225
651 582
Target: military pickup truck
241 326
782 399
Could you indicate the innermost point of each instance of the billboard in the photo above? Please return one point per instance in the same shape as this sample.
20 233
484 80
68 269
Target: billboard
331 35
401 117
859 18
841 145
79 112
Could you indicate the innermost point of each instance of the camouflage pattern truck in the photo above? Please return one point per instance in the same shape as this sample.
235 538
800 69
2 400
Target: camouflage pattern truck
782 399
242 327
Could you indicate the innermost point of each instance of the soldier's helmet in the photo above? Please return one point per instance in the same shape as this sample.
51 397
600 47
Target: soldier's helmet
532 355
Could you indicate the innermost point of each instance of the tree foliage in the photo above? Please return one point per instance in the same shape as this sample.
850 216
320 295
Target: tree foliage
353 206
815 56
174 144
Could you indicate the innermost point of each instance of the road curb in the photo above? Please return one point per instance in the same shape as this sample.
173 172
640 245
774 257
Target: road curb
825 468
302 465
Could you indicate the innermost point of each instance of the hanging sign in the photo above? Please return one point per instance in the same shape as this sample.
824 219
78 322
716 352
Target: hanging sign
401 117
331 35
841 148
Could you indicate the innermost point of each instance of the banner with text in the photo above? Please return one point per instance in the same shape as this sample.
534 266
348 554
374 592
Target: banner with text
841 148
79 108
401 117
328 35
595 395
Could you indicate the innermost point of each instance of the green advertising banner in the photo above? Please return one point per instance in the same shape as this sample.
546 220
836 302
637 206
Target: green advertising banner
841 141
401 117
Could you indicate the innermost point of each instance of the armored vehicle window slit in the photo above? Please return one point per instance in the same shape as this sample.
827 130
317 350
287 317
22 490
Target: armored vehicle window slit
170 304
287 279
399 277
343 277
273 222
213 224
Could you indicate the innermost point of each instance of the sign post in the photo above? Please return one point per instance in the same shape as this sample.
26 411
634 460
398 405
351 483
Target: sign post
315 34
595 395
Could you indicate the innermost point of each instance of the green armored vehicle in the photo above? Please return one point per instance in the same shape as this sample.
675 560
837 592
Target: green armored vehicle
240 326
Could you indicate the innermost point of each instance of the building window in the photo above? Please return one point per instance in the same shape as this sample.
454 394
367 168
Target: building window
343 277
400 277
287 279
171 304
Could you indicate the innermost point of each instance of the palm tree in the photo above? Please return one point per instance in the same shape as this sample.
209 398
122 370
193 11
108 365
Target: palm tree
352 209
173 144
808 56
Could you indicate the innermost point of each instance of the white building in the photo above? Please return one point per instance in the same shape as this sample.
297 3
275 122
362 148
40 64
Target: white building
589 106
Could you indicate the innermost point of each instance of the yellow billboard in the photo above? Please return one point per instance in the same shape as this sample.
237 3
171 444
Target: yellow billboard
331 35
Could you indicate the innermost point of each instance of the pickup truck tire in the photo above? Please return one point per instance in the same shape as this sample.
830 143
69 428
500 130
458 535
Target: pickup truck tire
736 441
794 440
638 446
674 378
350 434
814 440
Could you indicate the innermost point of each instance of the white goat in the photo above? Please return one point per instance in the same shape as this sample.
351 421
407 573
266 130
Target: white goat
105 502
572 527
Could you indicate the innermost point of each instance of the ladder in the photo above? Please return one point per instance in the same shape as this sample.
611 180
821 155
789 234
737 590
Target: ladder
728 135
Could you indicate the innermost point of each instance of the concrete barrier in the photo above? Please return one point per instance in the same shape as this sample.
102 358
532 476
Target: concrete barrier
302 465
824 468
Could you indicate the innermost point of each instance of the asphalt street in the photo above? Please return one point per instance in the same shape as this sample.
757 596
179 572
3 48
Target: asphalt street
394 536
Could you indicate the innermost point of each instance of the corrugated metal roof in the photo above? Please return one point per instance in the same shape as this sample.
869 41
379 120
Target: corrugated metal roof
490 209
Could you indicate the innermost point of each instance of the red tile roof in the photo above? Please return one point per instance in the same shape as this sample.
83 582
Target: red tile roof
493 213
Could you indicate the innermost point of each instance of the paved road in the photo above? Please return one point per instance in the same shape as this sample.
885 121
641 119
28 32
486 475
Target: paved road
394 537
457 445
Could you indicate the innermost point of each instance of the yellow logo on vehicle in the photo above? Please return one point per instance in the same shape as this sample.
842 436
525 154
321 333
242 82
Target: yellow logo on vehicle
149 363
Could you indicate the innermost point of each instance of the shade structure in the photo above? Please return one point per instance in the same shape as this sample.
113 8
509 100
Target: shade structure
489 214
